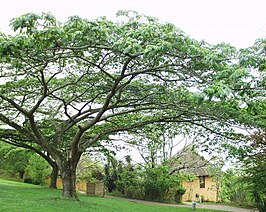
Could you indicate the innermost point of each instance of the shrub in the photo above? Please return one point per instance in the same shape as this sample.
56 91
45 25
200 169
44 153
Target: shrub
37 170
159 185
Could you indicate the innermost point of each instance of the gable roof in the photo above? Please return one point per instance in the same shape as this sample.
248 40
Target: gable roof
190 161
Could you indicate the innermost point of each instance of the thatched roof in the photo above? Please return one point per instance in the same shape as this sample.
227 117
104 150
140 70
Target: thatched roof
190 161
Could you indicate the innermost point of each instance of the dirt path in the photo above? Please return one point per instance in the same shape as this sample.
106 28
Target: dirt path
206 206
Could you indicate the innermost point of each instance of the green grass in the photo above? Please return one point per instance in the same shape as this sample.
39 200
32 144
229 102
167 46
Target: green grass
22 197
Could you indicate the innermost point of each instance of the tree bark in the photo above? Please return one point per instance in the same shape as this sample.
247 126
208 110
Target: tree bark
54 175
68 174
21 174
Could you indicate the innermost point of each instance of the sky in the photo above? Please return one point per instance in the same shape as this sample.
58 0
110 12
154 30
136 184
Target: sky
238 22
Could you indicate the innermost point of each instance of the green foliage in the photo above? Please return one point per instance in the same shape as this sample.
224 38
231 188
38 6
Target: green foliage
248 185
255 168
23 163
251 154
149 183
158 182
130 179
79 62
13 160
37 170
235 189
90 170
111 173
75 83
256 180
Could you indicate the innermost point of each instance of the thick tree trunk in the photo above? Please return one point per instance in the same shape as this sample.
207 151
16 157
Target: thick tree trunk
21 174
54 175
68 174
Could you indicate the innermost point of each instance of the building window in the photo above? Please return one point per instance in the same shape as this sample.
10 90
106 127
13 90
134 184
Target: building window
202 181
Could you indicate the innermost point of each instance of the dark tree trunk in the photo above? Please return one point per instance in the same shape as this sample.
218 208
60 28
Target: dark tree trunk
21 174
54 175
68 174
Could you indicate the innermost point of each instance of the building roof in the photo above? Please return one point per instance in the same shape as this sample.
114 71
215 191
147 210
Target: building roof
190 161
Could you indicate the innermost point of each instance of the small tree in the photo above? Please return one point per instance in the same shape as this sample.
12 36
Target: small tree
130 179
255 168
111 173
234 188
217 175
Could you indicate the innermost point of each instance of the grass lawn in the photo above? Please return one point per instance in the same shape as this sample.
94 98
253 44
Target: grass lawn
17 196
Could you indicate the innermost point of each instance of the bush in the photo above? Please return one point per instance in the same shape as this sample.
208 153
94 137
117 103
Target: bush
155 184
129 182
14 160
159 185
235 189
37 170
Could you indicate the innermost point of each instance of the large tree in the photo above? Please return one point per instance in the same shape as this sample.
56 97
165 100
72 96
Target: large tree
66 86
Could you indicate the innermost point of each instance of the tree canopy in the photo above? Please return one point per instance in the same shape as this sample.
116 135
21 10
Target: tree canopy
66 86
